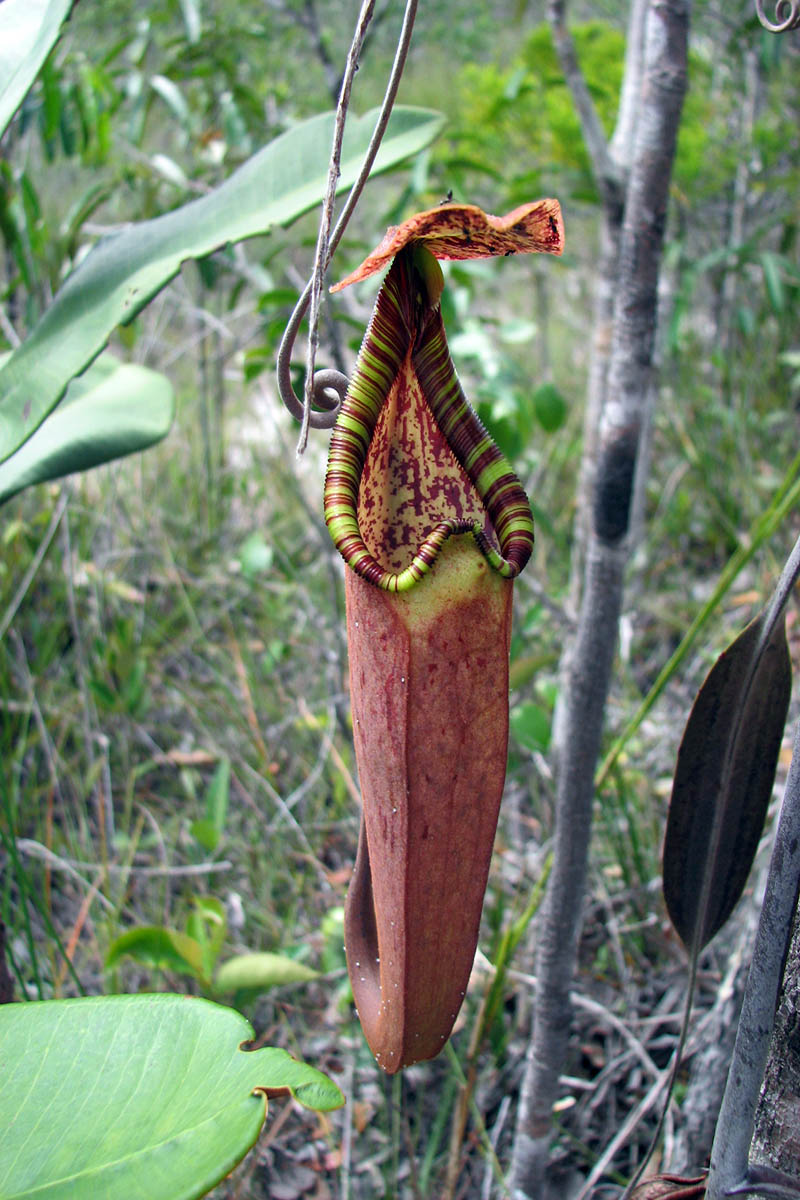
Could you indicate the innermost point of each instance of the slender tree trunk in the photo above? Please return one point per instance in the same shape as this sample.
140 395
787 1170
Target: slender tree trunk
776 1140
610 167
629 380
596 391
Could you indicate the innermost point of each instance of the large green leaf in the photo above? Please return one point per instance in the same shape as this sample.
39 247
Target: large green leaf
134 1097
28 31
123 271
113 409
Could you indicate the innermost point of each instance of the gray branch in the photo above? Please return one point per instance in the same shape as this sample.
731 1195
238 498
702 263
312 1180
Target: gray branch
607 176
629 380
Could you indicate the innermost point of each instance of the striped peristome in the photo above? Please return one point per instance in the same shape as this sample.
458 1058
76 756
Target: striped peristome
407 318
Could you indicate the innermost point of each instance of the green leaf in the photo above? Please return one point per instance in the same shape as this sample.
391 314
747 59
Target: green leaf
217 795
208 830
530 725
103 694
192 20
158 947
28 31
791 358
746 319
112 410
169 170
135 687
516 333
173 97
550 407
208 926
771 266
206 833
124 271
259 972
723 781
525 667
255 555
134 1097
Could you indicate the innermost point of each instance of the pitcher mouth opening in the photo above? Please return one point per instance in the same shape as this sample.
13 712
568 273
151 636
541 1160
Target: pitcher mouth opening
410 463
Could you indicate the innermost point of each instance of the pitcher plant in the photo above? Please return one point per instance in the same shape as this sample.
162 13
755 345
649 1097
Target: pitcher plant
434 526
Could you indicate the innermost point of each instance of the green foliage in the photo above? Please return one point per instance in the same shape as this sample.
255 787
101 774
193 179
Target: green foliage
791 359
196 951
146 1096
515 127
209 829
159 948
519 122
251 974
124 272
28 30
255 556
530 725
706 157
70 108
172 670
112 410
550 407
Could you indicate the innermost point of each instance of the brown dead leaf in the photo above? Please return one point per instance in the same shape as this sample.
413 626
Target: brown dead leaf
340 877
671 1187
362 1115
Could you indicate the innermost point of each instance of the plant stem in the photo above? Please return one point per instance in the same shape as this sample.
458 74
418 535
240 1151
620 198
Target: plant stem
762 530
326 382
735 1124
477 1117
729 1155
323 238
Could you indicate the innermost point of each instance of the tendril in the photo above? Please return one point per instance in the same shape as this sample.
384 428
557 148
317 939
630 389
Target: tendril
787 16
319 408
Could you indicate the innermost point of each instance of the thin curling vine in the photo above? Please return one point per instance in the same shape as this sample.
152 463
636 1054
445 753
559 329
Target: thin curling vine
327 389
434 526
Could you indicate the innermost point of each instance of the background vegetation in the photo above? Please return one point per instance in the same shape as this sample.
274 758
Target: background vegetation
175 723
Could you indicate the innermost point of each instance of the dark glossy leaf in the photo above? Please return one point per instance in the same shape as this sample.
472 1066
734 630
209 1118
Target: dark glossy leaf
723 781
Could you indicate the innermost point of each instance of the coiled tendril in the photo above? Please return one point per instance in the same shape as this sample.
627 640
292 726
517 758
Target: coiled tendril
326 390
787 16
